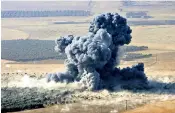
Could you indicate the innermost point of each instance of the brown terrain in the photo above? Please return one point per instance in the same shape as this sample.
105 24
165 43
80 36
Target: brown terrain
159 107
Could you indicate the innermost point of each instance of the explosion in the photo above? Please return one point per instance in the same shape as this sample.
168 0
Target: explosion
92 59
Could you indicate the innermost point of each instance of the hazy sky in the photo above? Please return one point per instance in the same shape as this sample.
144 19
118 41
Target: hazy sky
44 5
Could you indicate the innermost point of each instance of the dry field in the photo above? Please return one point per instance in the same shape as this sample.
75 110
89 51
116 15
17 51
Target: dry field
156 107
45 29
159 39
159 67
12 34
159 107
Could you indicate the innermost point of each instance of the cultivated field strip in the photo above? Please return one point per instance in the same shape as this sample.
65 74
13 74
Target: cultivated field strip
34 50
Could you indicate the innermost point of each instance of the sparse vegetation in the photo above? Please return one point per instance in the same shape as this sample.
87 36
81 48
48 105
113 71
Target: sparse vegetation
133 48
133 56
29 50
20 14
42 96
32 50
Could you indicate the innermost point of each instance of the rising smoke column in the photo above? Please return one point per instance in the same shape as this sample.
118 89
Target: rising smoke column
92 59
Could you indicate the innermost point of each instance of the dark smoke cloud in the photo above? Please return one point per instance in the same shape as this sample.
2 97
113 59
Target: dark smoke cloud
92 59
60 77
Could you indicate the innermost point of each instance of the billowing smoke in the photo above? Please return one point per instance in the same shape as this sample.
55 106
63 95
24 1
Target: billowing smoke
92 59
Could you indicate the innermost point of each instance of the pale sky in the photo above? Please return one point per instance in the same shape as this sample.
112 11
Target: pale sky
44 5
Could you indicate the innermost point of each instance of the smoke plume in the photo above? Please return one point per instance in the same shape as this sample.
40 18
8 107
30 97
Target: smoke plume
92 59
